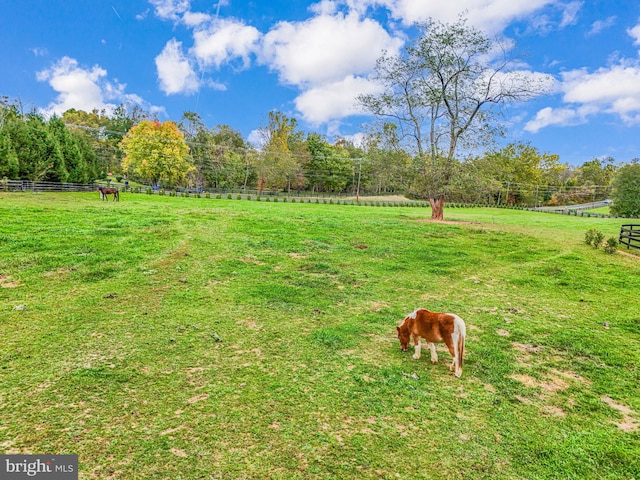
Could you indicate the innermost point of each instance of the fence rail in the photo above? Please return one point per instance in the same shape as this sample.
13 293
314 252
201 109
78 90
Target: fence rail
630 236
31 186
295 196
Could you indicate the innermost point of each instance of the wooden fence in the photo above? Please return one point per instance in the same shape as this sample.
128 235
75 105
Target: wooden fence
30 186
630 236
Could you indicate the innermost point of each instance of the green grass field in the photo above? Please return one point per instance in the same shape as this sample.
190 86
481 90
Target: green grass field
183 338
600 210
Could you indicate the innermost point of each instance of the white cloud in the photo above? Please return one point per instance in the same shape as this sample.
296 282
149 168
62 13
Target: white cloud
570 13
490 15
223 41
175 72
635 34
553 116
359 139
601 25
614 90
77 87
325 48
324 7
327 57
170 9
334 100
256 138
84 89
39 52
143 15
191 19
528 84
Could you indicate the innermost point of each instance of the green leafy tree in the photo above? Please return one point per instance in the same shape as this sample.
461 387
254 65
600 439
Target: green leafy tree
626 191
74 161
156 152
105 131
204 152
226 149
386 167
519 170
330 168
218 153
595 178
117 125
91 128
39 155
9 166
95 167
597 171
441 91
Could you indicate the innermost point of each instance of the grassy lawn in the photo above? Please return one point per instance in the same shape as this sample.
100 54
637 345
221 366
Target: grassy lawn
600 210
183 338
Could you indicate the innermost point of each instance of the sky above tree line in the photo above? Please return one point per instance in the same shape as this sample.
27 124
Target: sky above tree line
233 61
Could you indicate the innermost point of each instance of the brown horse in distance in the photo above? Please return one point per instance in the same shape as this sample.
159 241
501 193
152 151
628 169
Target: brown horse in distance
106 191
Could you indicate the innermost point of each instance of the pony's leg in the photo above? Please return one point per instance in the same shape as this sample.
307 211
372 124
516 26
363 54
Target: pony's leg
416 344
457 371
452 350
456 368
434 355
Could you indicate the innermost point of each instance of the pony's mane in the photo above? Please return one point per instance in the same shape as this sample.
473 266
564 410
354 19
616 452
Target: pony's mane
413 315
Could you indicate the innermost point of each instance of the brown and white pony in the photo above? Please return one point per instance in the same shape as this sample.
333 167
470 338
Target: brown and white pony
434 328
105 191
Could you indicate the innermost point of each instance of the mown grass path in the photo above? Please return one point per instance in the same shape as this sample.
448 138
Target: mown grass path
173 338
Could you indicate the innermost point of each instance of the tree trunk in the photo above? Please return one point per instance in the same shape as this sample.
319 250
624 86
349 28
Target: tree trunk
437 208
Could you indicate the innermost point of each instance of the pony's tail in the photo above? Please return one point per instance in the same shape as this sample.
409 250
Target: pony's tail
462 333
461 348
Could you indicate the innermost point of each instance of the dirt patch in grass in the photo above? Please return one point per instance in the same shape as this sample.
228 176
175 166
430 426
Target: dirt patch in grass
522 347
571 376
197 398
252 261
525 353
8 282
554 411
376 306
178 453
548 382
447 222
526 380
628 423
629 254
250 324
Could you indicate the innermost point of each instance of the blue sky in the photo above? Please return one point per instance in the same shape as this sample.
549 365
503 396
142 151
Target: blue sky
233 61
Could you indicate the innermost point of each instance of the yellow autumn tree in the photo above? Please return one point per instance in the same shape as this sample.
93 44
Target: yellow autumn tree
156 152
277 166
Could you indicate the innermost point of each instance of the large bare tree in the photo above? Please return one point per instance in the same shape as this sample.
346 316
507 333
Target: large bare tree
442 91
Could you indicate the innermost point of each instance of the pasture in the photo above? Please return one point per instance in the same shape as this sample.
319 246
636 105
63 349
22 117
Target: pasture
184 338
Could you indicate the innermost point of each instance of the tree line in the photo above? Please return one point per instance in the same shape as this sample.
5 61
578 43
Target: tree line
83 147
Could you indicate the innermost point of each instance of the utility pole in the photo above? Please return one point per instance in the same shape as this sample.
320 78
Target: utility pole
358 187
